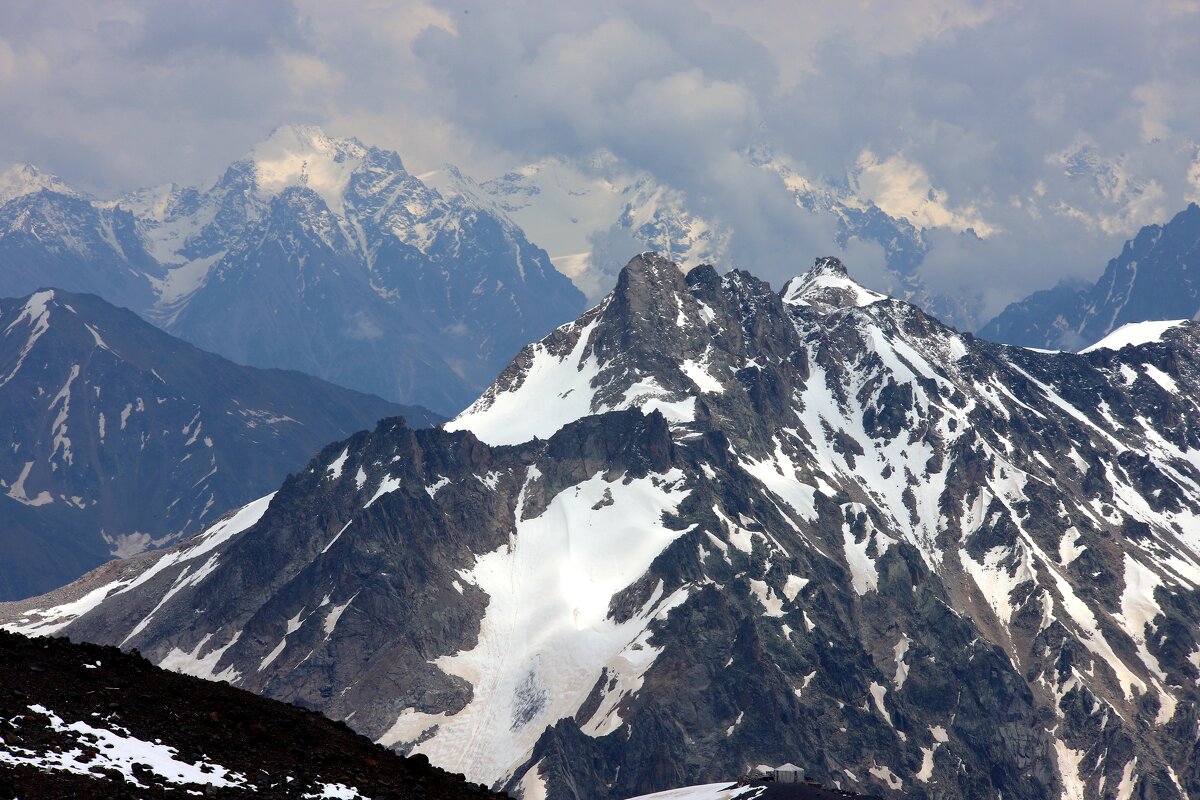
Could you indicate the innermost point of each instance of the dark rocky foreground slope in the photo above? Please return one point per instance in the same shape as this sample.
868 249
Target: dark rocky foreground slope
80 720
118 437
1156 276
709 526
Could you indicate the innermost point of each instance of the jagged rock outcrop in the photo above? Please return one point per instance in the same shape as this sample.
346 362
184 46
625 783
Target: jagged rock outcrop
709 526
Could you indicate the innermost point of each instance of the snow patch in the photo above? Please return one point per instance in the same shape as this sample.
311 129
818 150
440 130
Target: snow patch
334 615
899 651
119 751
997 578
334 470
335 791
36 312
700 376
1128 780
17 490
336 536
202 666
864 575
771 603
1135 333
793 586
1161 378
1068 760
44 622
1069 548
387 485
877 694
886 775
274 654
708 791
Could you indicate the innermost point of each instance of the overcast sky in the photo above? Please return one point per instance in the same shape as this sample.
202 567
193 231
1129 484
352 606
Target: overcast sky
1056 129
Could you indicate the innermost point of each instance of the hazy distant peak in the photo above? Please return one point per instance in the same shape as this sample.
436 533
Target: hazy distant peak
22 179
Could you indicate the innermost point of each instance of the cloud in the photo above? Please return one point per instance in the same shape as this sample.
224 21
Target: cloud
181 28
363 327
903 189
1053 130
548 80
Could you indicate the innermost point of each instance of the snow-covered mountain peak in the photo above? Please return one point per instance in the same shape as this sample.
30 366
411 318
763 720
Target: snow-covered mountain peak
309 252
644 346
22 179
828 285
309 141
450 182
585 211
305 156
660 341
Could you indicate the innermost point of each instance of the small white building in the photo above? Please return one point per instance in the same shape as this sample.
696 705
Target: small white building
788 773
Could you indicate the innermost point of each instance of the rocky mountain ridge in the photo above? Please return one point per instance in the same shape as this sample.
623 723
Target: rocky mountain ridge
708 526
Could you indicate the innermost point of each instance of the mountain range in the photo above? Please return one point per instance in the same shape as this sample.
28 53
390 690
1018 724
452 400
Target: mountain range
1156 277
325 255
709 525
311 253
120 437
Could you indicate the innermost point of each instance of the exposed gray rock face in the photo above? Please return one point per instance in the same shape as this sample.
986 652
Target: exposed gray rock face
311 253
709 526
1157 276
119 437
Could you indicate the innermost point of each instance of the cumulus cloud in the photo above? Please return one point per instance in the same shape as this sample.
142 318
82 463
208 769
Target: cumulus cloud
1052 131
903 189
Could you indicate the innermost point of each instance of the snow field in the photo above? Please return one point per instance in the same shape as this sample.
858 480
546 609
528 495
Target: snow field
546 635
1135 333
559 388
